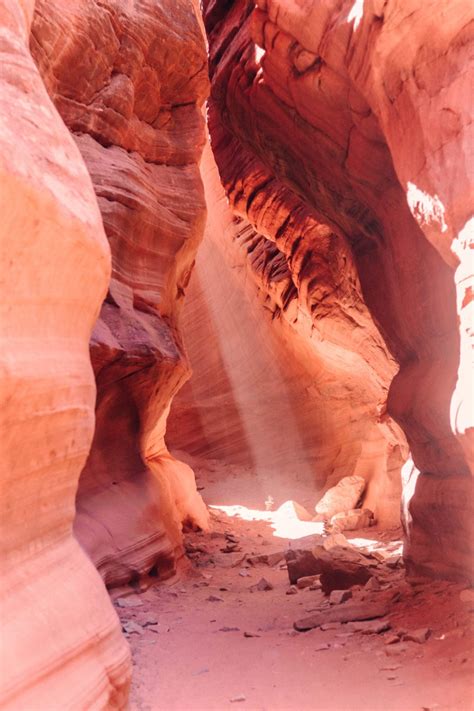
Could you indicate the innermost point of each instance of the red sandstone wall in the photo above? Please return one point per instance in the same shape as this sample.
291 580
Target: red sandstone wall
129 80
61 645
361 112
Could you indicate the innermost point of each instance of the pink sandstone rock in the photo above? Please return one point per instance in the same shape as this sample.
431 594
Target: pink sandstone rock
128 80
61 645
361 110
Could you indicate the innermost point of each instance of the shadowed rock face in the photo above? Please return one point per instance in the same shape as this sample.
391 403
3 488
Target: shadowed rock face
61 645
128 80
290 375
359 116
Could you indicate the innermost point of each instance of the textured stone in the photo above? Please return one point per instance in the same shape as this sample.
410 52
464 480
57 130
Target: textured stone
341 498
129 80
370 137
272 341
61 645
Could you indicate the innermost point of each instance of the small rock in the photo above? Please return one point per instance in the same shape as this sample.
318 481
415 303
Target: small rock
335 539
338 596
128 602
131 627
307 581
321 647
236 699
270 559
292 590
372 584
371 626
148 621
392 639
251 634
231 548
229 629
467 595
431 707
262 586
419 636
244 573
215 598
224 589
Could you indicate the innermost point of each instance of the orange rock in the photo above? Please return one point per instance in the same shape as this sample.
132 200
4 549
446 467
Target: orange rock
61 644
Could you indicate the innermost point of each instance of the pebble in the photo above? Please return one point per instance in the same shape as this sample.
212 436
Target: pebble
307 581
467 595
262 586
372 584
338 596
419 636
244 573
215 598
251 634
131 627
292 590
229 629
128 602
236 699
321 647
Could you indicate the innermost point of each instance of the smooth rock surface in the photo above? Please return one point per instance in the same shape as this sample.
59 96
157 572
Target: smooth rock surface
61 645
129 80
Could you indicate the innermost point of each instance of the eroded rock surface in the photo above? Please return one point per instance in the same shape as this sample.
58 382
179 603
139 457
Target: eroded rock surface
129 80
359 113
61 645
290 375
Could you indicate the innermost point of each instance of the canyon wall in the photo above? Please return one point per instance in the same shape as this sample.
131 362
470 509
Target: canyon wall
360 111
128 80
61 645
290 375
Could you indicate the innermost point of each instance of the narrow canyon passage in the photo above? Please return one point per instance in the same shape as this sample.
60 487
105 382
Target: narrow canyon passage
236 355
221 634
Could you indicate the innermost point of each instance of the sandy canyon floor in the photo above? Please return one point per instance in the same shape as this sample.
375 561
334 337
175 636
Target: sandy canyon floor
205 640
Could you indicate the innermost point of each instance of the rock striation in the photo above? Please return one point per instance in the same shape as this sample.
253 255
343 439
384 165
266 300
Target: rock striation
61 645
358 112
128 80
290 375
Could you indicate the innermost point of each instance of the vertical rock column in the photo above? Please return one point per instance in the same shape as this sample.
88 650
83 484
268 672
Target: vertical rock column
61 645
129 80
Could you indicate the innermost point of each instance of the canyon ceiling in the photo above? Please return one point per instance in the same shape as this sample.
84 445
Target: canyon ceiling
307 255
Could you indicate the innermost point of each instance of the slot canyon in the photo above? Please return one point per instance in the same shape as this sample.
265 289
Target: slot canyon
236 361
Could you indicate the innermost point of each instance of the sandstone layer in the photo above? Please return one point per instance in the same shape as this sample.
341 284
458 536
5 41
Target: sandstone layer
290 375
361 112
128 80
61 645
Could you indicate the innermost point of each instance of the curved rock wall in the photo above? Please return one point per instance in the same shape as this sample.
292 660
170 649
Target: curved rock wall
61 645
360 110
128 80
290 375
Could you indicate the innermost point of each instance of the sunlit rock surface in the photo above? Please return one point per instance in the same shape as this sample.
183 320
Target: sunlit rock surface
290 375
361 112
128 80
61 645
